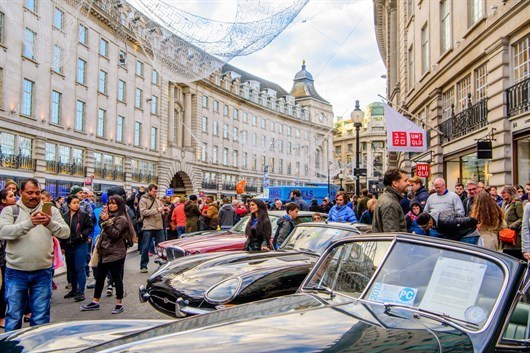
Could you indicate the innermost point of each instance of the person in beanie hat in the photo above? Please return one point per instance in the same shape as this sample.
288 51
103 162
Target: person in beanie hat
84 205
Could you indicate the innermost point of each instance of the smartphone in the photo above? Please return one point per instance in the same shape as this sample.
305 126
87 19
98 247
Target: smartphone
47 208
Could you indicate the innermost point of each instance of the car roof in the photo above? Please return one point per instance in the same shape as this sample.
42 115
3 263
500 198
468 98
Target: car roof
300 213
335 225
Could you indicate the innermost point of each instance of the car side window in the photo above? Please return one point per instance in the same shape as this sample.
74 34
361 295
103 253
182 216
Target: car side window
517 326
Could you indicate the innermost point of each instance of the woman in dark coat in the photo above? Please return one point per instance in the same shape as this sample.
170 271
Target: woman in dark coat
76 247
513 213
259 228
117 233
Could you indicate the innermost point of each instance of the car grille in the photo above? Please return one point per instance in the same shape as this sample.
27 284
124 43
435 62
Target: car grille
163 301
174 253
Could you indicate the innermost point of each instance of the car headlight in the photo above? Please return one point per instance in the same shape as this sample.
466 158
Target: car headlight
164 253
224 291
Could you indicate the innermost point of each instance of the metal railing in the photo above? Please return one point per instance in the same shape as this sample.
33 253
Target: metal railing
17 162
143 177
209 184
470 119
57 167
109 173
518 98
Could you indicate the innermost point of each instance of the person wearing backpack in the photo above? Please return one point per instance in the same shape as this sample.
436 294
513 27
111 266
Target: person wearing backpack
286 224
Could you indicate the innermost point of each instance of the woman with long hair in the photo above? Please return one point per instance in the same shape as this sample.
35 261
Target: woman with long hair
7 198
117 231
259 228
513 212
490 220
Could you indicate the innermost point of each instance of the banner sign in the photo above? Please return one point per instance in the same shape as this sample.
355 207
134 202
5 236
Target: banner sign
402 134
240 187
423 170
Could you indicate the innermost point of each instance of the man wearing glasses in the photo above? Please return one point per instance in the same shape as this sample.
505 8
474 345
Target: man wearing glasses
472 191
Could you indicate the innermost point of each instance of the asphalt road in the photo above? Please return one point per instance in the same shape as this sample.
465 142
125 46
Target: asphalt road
65 310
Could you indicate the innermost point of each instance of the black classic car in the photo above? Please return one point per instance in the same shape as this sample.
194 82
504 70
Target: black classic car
368 293
205 282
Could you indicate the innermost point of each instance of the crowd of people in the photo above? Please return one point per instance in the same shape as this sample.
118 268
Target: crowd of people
94 233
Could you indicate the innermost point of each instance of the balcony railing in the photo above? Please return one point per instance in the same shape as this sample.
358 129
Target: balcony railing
472 118
229 186
251 188
518 98
107 173
143 177
209 184
57 167
16 162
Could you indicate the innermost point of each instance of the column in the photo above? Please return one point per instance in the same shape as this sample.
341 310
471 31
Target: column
171 123
187 119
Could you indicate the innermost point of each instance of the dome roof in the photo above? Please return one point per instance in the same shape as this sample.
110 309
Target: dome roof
303 85
303 74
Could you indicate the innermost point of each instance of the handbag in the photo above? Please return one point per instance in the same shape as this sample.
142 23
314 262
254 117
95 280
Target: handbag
508 236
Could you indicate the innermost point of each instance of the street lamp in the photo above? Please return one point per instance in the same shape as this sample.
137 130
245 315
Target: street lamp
341 176
357 116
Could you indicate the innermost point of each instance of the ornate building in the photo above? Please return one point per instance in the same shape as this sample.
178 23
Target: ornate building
462 68
108 117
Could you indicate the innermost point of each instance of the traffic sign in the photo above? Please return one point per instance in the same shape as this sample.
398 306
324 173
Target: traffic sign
170 192
360 172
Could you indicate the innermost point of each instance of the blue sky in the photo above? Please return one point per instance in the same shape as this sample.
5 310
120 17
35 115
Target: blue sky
336 38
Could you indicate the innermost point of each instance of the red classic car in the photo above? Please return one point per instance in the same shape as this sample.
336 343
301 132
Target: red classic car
212 241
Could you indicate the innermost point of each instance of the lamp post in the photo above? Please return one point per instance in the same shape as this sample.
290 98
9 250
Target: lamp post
341 176
357 116
329 191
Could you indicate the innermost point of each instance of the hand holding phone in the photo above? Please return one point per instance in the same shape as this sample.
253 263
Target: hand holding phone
47 208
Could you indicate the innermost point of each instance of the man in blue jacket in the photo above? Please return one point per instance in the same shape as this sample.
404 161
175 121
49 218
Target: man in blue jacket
341 212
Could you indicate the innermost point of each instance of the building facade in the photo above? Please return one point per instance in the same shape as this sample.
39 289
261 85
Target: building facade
372 150
106 116
462 68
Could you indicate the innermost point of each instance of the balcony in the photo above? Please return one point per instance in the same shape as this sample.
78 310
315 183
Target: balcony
12 161
209 184
143 176
57 167
518 98
229 186
251 188
472 118
109 173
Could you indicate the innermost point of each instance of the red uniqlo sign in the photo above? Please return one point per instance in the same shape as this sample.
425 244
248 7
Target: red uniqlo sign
423 170
399 138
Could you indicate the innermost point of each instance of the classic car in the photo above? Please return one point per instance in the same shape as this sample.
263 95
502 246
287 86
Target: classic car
202 283
368 293
213 241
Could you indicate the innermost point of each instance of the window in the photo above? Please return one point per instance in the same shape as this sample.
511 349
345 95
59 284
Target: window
29 44
154 77
120 126
137 133
288 168
123 19
121 91
2 29
235 157
204 124
139 68
154 105
236 133
280 146
225 131
58 18
31 5
254 162
280 128
102 87
138 98
272 126
297 133
411 67
204 148
225 156
481 83
225 110
244 136
27 97
448 99
254 139
521 59
154 138
288 131
216 106
214 154
445 26
215 129
263 141
80 111
81 71
244 164
462 91
263 123
245 117
204 102
254 120
289 147
236 114
100 128
55 116
82 34
474 11
57 59
103 47
424 48
280 166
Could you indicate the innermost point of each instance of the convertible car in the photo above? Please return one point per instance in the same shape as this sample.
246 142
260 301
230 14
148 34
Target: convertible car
213 241
367 293
203 283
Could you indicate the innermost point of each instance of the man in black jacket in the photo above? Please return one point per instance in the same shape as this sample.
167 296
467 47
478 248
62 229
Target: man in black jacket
450 225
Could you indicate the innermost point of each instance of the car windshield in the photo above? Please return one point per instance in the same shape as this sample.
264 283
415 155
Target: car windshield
313 239
239 227
458 286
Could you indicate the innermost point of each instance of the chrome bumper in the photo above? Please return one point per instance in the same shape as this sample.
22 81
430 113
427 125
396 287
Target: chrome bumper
142 294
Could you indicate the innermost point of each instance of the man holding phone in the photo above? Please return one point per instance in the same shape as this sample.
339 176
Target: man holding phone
152 210
28 232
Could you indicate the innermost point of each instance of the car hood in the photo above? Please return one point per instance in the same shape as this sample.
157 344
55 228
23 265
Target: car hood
296 323
212 270
72 336
197 243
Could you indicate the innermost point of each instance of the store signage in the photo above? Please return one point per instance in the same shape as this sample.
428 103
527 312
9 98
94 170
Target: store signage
402 134
423 170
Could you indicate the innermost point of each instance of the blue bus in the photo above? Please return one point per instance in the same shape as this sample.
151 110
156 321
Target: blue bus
307 193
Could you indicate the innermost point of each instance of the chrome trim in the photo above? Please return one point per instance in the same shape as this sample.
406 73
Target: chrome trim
229 299
142 294
195 311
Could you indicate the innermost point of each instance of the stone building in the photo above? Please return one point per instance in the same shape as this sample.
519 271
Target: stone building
462 68
107 116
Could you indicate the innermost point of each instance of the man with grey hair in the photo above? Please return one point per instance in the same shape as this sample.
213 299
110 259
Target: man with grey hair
473 188
443 200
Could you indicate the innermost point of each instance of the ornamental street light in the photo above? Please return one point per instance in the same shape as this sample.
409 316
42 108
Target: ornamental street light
341 176
357 116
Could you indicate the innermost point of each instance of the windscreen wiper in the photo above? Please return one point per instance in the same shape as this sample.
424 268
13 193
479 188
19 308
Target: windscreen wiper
318 288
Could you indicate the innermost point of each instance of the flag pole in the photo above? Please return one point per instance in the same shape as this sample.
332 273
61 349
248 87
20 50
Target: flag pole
414 116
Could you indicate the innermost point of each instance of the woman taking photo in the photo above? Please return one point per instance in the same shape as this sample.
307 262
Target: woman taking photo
76 247
111 248
7 198
513 213
490 220
259 229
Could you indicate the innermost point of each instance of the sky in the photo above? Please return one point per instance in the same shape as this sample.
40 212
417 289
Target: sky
336 38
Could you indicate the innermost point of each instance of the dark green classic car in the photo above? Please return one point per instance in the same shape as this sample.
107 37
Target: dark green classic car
368 293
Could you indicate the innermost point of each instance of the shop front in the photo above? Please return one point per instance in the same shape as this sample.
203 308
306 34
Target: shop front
521 163
464 166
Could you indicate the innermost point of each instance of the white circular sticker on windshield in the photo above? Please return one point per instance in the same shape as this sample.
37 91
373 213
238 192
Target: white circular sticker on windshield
476 314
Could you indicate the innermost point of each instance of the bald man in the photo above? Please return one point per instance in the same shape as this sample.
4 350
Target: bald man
443 200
